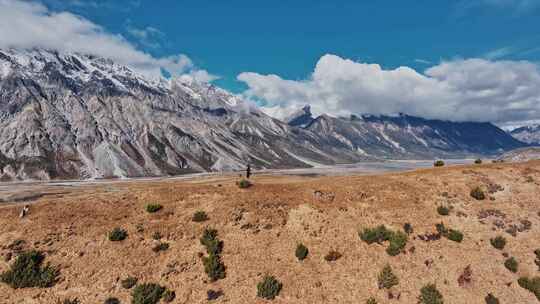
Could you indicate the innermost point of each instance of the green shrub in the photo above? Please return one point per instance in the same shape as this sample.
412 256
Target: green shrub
478 161
169 296
332 256
451 234
117 234
156 235
151 208
532 285
27 271
213 267
455 235
371 301
269 288
442 210
212 264
244 184
128 282
211 242
398 240
407 227
438 163
511 264
160 247
112 301
499 242
379 234
387 279
301 252
491 299
478 194
200 216
430 295
148 293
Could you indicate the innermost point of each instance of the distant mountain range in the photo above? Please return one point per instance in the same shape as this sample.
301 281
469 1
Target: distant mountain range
528 134
406 136
79 116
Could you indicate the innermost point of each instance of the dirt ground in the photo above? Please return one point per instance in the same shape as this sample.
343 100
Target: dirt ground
262 225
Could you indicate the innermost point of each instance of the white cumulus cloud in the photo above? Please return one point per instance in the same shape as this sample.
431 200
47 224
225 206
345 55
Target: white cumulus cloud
27 24
459 90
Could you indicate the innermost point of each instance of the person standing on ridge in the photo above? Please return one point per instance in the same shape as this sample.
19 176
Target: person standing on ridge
248 171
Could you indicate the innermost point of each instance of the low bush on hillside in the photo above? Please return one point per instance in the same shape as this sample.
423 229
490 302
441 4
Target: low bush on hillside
491 299
451 234
156 236
301 252
213 267
378 234
478 194
200 216
211 242
269 288
28 271
478 161
371 301
112 301
455 235
386 278
332 256
148 293
430 295
511 264
443 210
499 242
151 208
438 163
160 247
532 285
117 234
128 282
397 239
243 184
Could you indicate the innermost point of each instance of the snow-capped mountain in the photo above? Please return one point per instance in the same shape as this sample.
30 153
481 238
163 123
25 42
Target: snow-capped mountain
405 136
79 116
529 134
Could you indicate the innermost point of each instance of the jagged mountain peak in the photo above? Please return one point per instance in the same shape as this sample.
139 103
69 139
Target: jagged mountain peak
301 117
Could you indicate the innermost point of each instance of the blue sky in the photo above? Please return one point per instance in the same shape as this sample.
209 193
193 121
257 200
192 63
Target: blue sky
452 60
288 37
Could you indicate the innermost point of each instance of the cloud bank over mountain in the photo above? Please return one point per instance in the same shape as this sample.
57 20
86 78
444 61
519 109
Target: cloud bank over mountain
26 24
503 92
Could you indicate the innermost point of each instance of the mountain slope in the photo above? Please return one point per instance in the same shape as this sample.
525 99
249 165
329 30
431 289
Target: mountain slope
76 116
406 136
529 134
79 116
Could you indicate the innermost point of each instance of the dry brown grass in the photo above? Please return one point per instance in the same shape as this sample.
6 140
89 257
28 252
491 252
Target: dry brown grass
262 225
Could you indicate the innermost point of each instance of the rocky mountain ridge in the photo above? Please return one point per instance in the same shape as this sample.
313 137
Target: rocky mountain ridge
65 115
